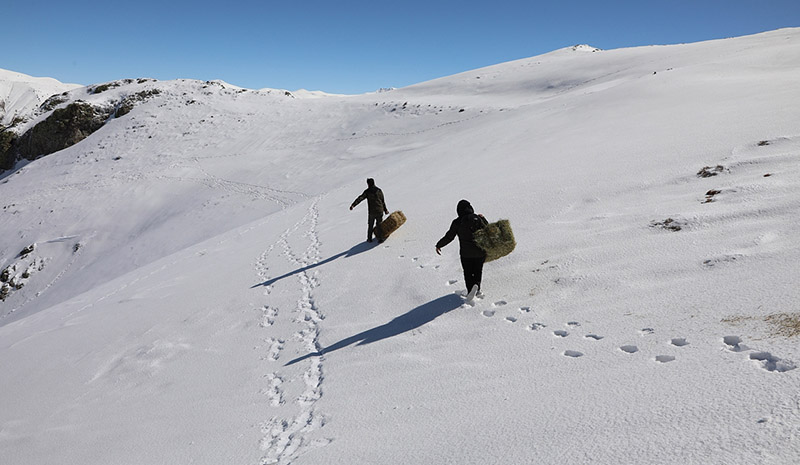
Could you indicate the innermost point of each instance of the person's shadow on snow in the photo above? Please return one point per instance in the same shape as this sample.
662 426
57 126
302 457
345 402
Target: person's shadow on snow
355 250
414 319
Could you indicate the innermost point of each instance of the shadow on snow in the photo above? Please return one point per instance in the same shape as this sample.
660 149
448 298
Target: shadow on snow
355 250
413 319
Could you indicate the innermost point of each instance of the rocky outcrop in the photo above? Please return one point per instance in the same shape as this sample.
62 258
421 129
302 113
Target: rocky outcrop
65 127
7 156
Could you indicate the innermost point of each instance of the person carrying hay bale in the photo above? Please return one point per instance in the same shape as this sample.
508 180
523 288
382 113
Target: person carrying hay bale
376 207
472 256
496 239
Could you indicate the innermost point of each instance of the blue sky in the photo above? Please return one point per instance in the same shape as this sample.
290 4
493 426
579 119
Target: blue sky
345 46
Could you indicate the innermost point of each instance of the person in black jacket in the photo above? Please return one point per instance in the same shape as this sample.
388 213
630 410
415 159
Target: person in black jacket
472 256
376 207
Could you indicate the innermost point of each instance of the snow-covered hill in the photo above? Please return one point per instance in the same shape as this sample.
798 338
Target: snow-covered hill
21 94
187 284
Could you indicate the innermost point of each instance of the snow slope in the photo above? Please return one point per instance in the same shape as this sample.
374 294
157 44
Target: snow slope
21 94
199 292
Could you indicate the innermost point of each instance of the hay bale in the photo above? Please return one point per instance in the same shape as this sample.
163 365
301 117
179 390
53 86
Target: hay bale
496 239
390 224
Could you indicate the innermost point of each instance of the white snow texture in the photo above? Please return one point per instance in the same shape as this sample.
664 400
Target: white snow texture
188 285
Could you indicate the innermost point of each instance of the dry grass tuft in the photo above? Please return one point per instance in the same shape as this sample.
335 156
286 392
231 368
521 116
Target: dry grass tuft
784 324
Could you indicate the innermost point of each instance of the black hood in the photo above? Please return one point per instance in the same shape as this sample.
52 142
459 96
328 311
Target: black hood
464 208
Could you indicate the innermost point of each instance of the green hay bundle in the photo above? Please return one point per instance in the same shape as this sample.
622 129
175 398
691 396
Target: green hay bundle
390 224
496 239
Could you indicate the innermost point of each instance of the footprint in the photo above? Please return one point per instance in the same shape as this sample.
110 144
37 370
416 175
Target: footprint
273 391
573 353
664 358
679 341
560 333
511 319
451 282
647 331
772 363
594 336
537 326
276 346
573 324
488 313
499 303
268 315
629 349
734 343
525 309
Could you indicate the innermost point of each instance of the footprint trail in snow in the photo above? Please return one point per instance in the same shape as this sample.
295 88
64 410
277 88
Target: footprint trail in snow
292 392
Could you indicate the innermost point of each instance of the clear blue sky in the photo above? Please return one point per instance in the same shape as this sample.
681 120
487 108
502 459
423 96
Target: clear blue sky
344 46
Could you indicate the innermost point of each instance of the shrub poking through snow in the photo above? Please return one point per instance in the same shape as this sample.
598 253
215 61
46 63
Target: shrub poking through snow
668 224
710 195
496 239
708 171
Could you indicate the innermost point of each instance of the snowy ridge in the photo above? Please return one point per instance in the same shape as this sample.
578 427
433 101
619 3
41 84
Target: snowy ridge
20 94
194 287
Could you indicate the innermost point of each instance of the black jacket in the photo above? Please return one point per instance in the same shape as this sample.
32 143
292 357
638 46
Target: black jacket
376 205
464 226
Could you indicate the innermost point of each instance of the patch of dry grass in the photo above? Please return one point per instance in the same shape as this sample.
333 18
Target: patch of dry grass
784 324
780 324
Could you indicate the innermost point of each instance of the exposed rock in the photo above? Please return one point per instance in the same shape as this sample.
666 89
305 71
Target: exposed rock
7 156
64 128
27 250
53 101
127 104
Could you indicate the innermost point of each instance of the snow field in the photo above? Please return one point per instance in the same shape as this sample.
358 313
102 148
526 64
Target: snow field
222 307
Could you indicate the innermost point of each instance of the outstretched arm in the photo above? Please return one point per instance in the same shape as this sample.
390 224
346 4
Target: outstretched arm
358 200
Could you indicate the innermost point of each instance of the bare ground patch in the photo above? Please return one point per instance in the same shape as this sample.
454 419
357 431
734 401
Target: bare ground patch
779 324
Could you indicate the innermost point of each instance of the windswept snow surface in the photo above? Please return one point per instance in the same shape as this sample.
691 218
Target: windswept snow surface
199 292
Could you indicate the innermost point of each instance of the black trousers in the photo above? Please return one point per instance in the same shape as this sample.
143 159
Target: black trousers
373 223
473 270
